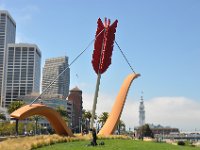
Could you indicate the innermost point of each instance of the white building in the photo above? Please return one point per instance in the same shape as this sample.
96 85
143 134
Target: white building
23 71
141 113
52 68
7 35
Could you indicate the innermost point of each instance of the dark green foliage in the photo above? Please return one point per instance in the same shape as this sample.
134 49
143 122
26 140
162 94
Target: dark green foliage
102 118
8 128
121 126
145 131
63 112
36 118
86 117
2 116
14 106
182 143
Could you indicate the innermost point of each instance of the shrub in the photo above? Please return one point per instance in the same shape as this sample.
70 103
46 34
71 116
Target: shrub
182 143
34 142
52 142
34 146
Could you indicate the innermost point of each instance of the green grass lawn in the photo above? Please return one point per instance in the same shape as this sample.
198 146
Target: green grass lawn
117 144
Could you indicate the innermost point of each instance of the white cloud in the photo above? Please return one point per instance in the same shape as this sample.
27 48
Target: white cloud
174 111
177 112
104 102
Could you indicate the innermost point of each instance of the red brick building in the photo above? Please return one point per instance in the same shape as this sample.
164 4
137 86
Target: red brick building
75 96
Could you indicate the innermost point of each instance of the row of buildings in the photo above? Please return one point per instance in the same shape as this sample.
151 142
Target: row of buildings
20 67
157 130
20 74
72 105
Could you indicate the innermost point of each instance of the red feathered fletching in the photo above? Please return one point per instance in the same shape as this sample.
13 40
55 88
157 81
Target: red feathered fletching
103 44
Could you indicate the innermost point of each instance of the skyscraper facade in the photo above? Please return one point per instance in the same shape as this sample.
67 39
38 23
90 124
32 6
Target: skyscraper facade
52 68
141 113
7 35
23 71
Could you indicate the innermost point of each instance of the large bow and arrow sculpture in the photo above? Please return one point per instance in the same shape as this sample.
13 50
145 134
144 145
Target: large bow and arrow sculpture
101 58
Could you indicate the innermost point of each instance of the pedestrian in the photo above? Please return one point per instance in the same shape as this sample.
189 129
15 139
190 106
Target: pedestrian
94 137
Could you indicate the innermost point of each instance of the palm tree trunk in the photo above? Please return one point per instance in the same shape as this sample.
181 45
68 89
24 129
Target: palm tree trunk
89 124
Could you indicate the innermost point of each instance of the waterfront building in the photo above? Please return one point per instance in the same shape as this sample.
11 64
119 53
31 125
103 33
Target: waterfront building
141 112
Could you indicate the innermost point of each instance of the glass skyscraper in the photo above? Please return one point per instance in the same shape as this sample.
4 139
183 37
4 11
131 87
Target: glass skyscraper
23 71
52 68
7 35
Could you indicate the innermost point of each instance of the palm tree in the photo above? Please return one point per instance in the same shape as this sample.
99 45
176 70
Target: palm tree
87 115
102 118
121 126
63 112
15 105
36 118
83 119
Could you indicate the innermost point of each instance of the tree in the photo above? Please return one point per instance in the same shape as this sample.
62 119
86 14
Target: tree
145 131
121 126
86 116
84 119
2 116
63 112
102 118
36 118
15 105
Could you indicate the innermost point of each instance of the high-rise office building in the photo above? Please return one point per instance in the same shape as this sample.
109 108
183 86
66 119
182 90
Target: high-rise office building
23 71
52 68
7 35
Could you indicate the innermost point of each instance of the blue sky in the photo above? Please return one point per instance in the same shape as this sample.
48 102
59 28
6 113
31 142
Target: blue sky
161 39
